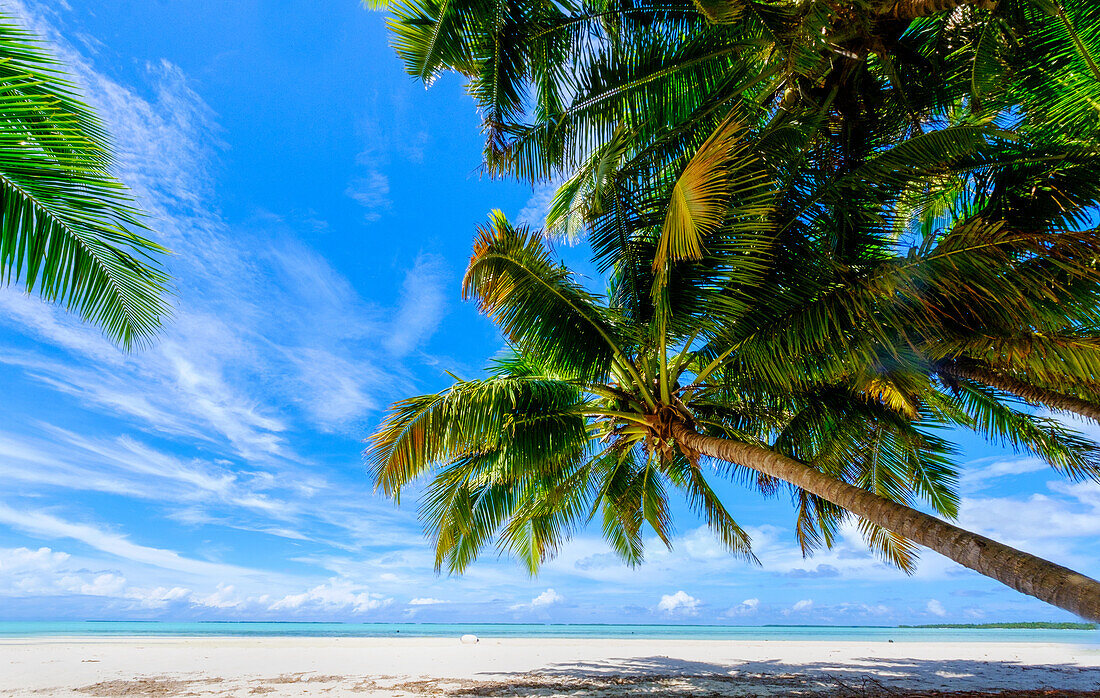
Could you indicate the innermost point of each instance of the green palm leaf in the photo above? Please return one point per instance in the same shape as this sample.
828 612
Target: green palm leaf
67 226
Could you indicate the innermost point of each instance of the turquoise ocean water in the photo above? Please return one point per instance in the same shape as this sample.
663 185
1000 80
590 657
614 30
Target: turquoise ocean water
683 632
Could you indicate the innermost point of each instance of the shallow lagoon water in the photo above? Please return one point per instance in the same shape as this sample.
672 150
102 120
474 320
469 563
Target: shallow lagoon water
504 630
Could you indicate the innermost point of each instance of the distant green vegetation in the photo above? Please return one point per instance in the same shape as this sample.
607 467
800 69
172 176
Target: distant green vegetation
1011 626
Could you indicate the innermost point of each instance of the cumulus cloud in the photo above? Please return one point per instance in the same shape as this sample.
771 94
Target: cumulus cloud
426 601
802 606
225 596
680 603
1043 522
46 573
336 593
546 598
22 559
746 608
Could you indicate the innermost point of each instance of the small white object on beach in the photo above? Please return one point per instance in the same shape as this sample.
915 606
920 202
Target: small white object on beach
469 639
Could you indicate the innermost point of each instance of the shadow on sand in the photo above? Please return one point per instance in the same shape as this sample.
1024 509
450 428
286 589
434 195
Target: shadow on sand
868 676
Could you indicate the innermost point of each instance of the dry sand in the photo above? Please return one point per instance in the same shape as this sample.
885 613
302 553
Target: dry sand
535 667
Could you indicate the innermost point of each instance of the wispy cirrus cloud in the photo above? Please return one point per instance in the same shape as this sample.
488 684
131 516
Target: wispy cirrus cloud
43 524
372 192
423 303
252 301
269 341
536 209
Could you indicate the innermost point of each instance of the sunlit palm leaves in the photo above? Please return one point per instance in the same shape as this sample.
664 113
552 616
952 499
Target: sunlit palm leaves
577 424
554 81
831 231
68 226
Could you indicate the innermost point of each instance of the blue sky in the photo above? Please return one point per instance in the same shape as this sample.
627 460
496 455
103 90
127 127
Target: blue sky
321 205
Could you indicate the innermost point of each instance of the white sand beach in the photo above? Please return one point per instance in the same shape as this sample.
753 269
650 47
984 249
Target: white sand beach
531 667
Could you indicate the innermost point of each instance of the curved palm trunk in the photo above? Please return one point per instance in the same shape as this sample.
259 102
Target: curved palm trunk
1022 571
1023 390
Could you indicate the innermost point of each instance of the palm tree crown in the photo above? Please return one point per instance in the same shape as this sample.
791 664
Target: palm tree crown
605 409
830 230
647 112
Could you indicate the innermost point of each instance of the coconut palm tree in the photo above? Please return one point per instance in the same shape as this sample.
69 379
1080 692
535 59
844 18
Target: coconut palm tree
613 96
604 407
828 230
68 229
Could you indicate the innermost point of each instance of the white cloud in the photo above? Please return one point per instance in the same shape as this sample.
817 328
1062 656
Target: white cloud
936 608
21 559
224 597
41 524
106 584
1042 523
423 302
537 207
546 598
426 601
158 597
336 593
802 606
46 572
979 474
679 603
746 608
372 192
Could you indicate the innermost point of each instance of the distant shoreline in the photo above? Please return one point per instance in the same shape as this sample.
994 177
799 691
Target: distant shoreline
1027 625
1005 626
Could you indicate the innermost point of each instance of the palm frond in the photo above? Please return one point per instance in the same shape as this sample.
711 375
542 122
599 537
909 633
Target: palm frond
68 229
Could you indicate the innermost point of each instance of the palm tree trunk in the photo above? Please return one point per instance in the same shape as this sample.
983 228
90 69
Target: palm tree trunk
1022 571
911 9
1021 389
